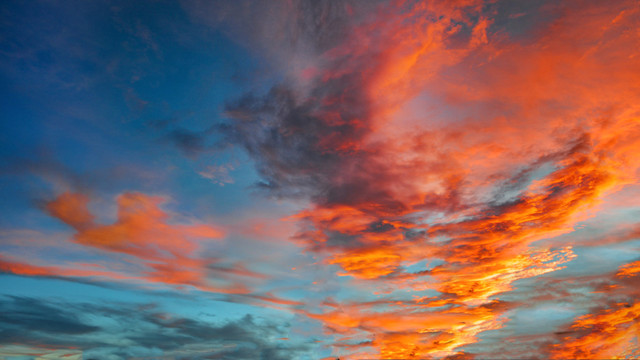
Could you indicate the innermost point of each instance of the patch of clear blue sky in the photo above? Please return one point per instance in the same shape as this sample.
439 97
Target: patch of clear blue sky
90 92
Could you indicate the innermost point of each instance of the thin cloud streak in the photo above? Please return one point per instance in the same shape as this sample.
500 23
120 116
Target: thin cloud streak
155 249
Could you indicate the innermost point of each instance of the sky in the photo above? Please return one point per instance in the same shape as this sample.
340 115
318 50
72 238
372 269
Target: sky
297 179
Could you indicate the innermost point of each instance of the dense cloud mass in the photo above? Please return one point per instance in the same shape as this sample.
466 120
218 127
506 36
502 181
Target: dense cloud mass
342 178
100 331
518 168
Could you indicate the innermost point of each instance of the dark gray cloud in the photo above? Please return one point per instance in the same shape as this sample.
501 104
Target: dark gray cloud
191 143
22 318
306 138
100 330
298 148
509 192
286 139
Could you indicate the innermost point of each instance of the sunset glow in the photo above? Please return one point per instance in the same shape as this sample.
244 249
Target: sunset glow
320 179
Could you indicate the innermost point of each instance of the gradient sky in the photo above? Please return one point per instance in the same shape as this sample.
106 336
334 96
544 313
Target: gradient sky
319 179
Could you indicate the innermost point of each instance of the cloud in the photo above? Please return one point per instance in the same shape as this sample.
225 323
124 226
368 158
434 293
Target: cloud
21 316
443 149
191 143
218 174
522 148
610 329
144 244
138 331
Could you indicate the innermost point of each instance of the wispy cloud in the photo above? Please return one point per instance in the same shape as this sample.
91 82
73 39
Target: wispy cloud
153 247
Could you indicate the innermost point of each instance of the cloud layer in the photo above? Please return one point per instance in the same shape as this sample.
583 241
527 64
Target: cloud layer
144 331
431 179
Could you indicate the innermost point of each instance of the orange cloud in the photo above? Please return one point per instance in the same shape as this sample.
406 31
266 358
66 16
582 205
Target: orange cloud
610 333
155 248
543 131
629 270
19 267
141 230
71 208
